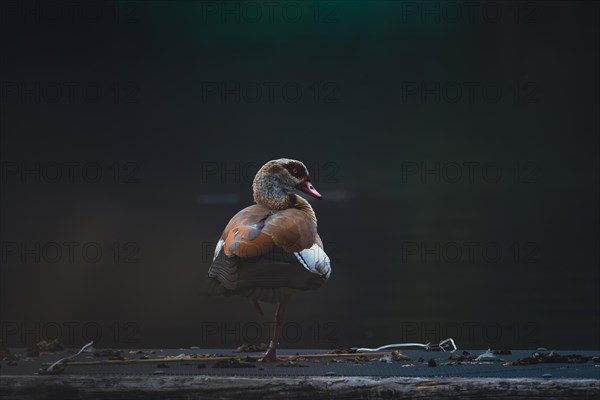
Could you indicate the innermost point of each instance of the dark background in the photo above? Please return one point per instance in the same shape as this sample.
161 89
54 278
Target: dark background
456 145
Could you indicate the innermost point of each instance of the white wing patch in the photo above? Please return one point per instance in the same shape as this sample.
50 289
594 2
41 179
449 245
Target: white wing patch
315 260
220 244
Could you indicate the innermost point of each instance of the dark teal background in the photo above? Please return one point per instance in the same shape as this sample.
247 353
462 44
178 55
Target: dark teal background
455 143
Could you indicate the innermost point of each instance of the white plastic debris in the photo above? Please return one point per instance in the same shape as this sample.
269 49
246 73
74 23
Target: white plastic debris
444 345
486 356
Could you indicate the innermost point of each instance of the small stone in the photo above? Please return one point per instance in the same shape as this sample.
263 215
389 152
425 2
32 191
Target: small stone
330 373
431 363
421 359
547 376
158 372
162 365
541 349
194 348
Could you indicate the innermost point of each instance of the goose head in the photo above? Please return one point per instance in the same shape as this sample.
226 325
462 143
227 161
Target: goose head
276 182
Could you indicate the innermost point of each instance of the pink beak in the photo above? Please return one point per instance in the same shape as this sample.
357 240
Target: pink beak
308 188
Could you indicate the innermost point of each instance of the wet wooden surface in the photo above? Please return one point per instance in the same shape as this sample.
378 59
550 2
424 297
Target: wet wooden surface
213 387
312 374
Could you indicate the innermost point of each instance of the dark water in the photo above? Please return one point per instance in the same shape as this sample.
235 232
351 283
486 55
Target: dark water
456 147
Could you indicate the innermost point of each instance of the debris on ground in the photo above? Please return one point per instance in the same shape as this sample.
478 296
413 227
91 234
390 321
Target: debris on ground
6 355
141 352
465 356
357 359
551 357
233 363
293 364
343 351
53 345
386 358
468 358
351 360
251 348
184 356
486 356
45 346
397 356
182 362
108 353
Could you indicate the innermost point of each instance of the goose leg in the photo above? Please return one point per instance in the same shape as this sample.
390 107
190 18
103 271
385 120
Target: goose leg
271 354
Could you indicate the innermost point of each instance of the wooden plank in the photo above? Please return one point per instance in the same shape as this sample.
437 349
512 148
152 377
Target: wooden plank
307 387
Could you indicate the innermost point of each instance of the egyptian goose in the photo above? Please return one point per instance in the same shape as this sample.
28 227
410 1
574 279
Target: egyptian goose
271 250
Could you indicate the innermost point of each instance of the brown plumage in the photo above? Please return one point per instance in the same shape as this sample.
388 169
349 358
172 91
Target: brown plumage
271 250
